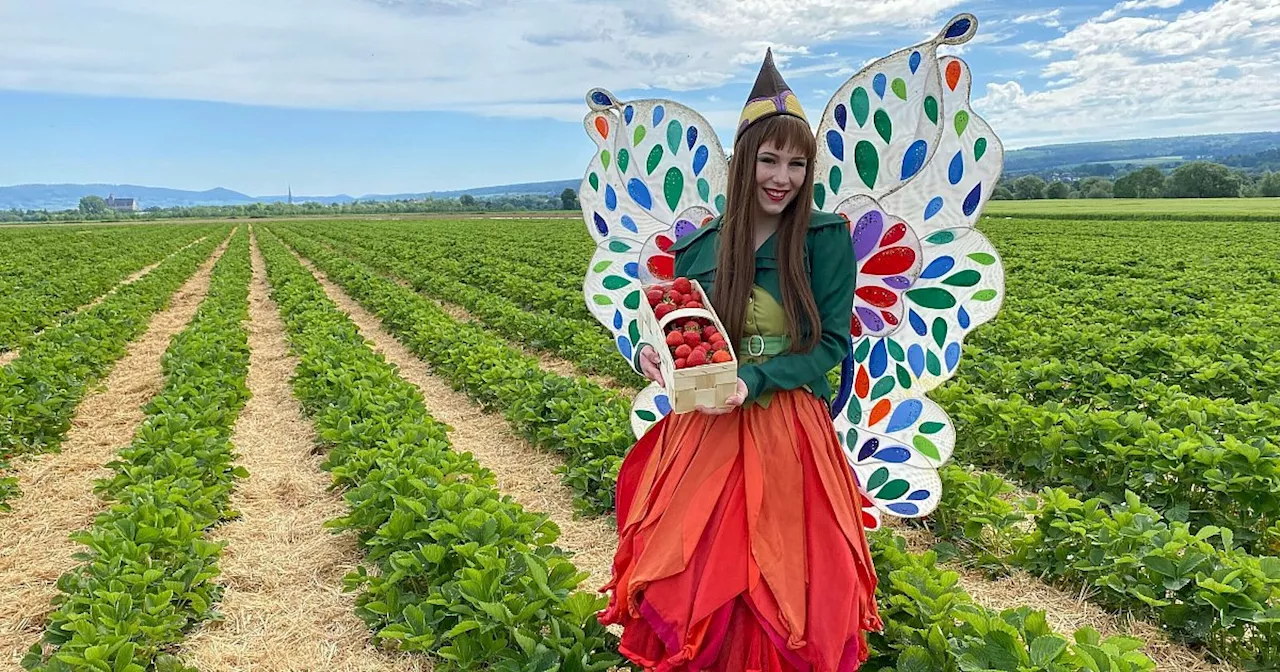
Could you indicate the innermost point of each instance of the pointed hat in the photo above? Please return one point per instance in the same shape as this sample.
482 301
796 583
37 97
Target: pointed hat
769 97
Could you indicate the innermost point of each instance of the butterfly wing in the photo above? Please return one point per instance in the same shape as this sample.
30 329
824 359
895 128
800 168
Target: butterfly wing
658 174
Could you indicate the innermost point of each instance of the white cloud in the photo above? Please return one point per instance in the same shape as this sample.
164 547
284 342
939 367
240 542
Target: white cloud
1049 19
1130 5
1204 71
496 57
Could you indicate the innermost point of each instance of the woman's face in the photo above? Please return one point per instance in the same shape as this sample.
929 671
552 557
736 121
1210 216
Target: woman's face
779 176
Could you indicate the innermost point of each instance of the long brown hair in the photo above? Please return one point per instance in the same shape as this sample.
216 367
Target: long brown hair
735 260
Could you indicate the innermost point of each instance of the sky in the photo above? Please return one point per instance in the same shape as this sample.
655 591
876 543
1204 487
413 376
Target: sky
391 96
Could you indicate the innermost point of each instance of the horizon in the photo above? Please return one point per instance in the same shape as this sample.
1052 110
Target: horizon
364 97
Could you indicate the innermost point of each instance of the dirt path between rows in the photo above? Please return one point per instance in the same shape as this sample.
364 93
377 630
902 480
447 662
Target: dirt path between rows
7 358
523 471
283 608
57 488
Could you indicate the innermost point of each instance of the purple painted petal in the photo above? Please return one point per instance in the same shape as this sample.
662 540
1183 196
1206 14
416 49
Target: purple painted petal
866 234
897 282
870 318
684 227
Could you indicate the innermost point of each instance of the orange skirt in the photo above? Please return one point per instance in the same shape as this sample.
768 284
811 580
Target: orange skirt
740 545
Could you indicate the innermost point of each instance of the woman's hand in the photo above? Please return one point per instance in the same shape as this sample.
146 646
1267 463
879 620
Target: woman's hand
651 364
735 400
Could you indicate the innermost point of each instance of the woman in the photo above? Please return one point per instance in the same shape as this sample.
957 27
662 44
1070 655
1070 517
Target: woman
740 544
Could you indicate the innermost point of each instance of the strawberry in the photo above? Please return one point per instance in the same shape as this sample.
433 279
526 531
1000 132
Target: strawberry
694 326
660 311
654 295
682 285
675 338
693 304
721 356
717 341
683 350
681 363
710 330
691 338
697 358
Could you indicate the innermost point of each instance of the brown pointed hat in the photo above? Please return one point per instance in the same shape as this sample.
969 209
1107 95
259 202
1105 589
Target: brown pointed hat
769 97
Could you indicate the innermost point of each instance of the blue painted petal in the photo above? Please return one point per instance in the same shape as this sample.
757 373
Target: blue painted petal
938 268
624 346
915 358
905 414
617 319
691 136
914 61
868 449
610 197
917 323
971 201
632 269
956 171
640 193
663 404
894 455
842 115
700 159
599 98
879 359
932 209
658 112
628 112
963 316
629 224
600 224
958 28
904 508
918 495
953 356
835 142
879 83
913 160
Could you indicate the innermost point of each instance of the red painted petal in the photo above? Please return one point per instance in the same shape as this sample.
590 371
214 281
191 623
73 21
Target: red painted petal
602 127
894 234
953 74
861 383
877 296
663 266
880 411
664 243
869 521
889 317
892 261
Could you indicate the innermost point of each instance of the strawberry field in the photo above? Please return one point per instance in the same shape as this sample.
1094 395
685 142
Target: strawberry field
1118 440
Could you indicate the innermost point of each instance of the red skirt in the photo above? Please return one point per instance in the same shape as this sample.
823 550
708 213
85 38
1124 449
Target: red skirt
740 545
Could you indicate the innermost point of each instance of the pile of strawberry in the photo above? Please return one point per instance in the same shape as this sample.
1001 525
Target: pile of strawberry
692 342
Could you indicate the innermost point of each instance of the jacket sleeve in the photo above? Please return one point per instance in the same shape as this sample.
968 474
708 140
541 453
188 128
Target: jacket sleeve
832 280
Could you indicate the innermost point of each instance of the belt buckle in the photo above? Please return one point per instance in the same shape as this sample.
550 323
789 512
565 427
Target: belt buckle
751 342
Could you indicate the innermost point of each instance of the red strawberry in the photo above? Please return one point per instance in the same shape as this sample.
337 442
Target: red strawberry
660 311
691 338
717 341
683 350
697 358
721 356
675 338
710 330
682 285
655 296
694 326
681 363
693 304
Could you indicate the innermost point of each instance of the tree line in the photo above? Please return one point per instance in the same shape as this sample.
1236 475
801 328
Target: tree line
1198 179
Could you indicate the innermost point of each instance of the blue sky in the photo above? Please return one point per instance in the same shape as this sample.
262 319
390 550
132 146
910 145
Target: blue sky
385 96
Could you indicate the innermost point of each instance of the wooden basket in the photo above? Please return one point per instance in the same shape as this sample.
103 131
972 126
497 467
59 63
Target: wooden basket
708 385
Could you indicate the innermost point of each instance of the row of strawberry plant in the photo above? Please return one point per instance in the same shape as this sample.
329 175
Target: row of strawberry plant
51 281
464 572
588 425
147 572
40 390
592 350
932 622
1186 472
1193 582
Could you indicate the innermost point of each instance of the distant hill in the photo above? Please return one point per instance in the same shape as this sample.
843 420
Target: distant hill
1250 151
1225 148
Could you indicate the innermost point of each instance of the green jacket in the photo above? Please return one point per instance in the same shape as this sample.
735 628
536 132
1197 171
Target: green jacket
829 260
